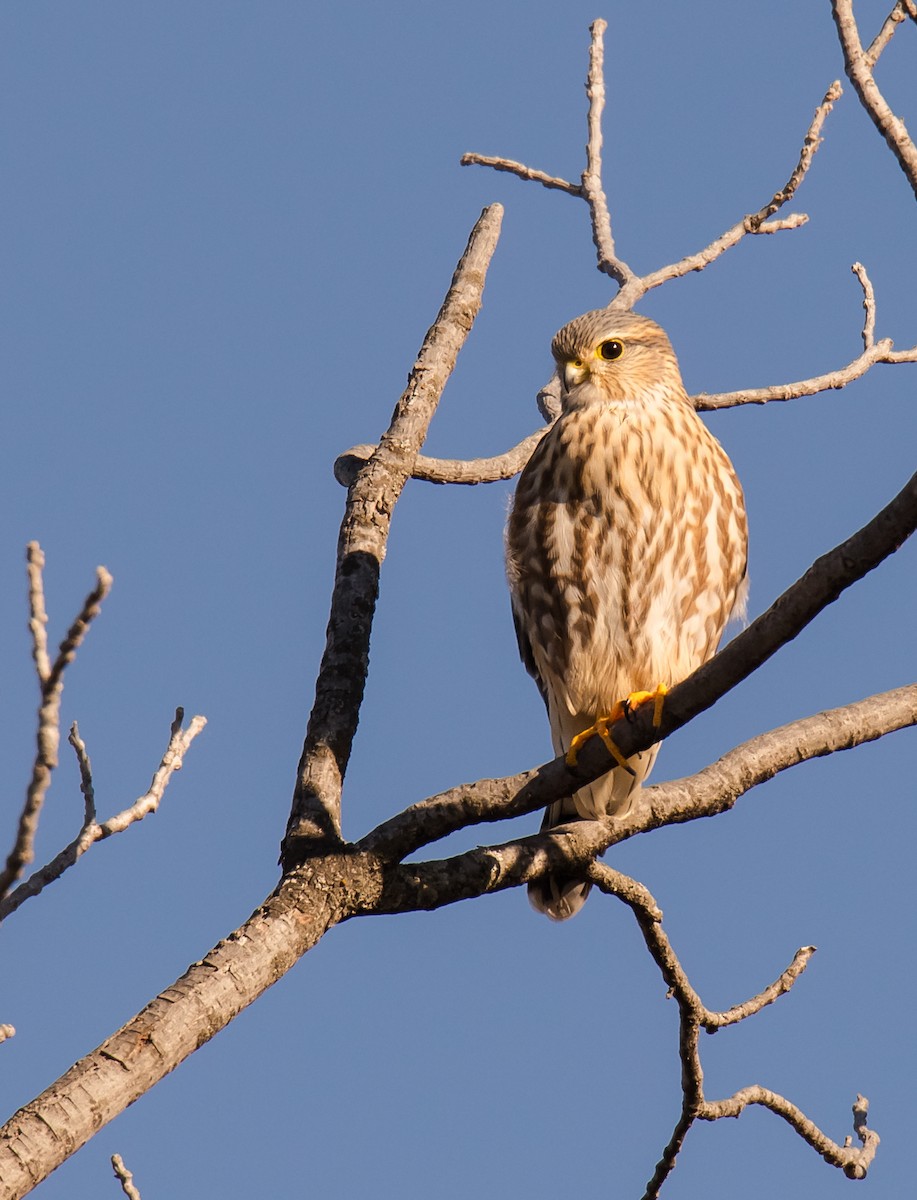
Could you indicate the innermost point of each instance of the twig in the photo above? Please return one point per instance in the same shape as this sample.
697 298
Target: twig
315 818
858 64
126 1178
881 351
523 172
448 470
712 1021
899 13
592 190
853 1161
693 1014
38 616
86 787
753 223
869 306
91 831
508 464
51 681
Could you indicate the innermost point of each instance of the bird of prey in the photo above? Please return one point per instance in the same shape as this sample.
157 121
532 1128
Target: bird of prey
625 551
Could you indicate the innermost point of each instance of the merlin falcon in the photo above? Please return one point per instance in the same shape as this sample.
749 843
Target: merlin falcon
625 552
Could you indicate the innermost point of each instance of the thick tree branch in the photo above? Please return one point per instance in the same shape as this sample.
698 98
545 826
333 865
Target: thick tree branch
858 64
821 584
325 891
315 819
308 902
572 848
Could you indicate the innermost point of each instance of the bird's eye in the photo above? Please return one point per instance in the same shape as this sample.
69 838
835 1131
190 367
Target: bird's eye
611 349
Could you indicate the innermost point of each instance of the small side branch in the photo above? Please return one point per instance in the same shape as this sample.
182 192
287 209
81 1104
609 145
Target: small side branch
858 64
125 1176
448 470
902 10
694 1016
505 466
591 189
853 1161
752 223
51 684
91 832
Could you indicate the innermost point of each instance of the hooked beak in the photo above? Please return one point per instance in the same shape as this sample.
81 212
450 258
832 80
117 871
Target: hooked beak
572 373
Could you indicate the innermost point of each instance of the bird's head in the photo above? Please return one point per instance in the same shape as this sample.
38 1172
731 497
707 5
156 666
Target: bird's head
605 356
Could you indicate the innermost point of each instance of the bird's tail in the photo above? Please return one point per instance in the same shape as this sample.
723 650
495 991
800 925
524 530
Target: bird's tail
561 897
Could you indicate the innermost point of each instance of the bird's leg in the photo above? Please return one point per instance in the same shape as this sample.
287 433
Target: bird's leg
623 708
635 699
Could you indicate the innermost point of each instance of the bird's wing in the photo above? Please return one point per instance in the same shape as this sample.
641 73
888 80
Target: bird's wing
525 648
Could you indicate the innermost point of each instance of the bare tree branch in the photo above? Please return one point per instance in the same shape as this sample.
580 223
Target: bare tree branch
902 10
306 903
880 352
505 466
125 1176
858 64
91 831
51 682
591 189
523 172
693 1014
315 818
711 791
752 223
853 1161
449 470
333 881
572 848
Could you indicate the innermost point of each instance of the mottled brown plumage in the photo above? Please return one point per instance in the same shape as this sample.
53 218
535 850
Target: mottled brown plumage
626 548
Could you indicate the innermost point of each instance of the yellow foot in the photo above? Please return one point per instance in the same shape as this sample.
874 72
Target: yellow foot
600 729
623 708
635 699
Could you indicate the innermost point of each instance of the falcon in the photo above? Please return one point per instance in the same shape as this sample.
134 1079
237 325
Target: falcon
626 551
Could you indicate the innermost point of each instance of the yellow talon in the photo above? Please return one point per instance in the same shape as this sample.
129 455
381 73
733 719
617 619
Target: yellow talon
600 729
621 709
635 699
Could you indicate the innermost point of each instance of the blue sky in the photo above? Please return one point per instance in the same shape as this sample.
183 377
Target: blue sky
225 229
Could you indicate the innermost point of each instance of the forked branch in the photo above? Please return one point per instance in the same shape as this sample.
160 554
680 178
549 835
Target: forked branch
93 831
859 63
51 685
695 1016
591 189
